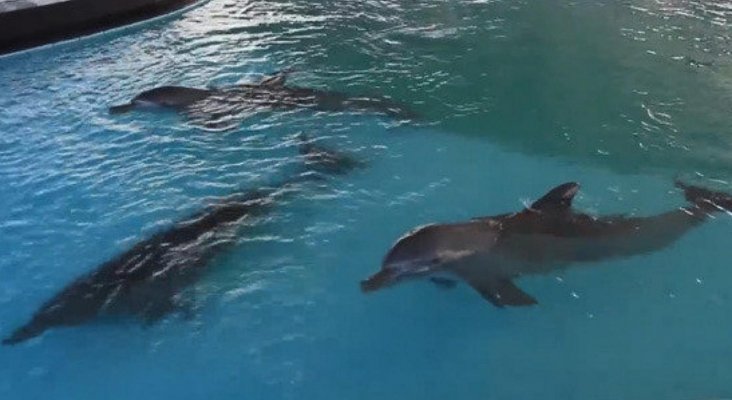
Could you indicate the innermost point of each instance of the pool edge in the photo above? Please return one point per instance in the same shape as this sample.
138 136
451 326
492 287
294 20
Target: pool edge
87 18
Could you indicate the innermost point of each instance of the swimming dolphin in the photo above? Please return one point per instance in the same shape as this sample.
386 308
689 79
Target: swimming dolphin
271 93
489 253
148 280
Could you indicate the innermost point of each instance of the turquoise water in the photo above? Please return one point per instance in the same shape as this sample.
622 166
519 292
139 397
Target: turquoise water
516 97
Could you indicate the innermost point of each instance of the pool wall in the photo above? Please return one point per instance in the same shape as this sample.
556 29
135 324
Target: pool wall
25 24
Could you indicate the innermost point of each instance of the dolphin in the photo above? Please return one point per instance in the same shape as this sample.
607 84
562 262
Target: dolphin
490 253
271 93
149 279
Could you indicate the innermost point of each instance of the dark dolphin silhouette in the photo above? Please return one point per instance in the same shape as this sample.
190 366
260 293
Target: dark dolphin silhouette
148 280
489 253
271 93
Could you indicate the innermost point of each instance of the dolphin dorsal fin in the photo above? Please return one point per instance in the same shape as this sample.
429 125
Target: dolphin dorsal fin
559 198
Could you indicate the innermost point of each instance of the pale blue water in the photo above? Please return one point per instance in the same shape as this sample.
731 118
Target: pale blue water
518 97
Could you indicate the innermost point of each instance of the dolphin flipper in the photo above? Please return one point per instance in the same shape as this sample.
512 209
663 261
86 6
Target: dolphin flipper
501 292
444 283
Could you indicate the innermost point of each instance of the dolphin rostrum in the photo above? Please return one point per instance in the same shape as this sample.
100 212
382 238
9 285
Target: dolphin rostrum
175 97
149 279
489 253
271 93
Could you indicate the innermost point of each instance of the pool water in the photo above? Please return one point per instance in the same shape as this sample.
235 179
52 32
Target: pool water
516 97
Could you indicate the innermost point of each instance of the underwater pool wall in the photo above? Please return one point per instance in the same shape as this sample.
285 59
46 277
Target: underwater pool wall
29 23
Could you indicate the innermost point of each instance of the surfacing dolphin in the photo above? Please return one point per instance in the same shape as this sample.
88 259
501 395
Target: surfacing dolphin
271 93
489 253
149 279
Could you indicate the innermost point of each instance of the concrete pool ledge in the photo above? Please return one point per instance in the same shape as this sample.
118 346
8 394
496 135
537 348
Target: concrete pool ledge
30 23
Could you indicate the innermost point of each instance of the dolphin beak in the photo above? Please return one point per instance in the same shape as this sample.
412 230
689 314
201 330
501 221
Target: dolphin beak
23 333
121 109
379 280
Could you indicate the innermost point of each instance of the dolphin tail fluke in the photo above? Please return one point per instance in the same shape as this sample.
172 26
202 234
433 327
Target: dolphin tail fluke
707 200
501 292
122 108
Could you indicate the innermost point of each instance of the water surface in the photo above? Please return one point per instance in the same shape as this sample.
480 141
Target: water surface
516 97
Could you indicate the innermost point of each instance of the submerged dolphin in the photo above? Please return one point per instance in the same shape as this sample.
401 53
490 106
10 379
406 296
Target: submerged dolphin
148 279
324 160
270 93
490 252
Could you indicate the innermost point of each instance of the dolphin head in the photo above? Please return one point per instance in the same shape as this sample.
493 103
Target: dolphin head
431 248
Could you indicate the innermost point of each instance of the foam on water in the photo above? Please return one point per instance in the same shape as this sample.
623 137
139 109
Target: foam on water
517 97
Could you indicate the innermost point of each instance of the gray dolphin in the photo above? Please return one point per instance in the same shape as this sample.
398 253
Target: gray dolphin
271 93
489 253
149 279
